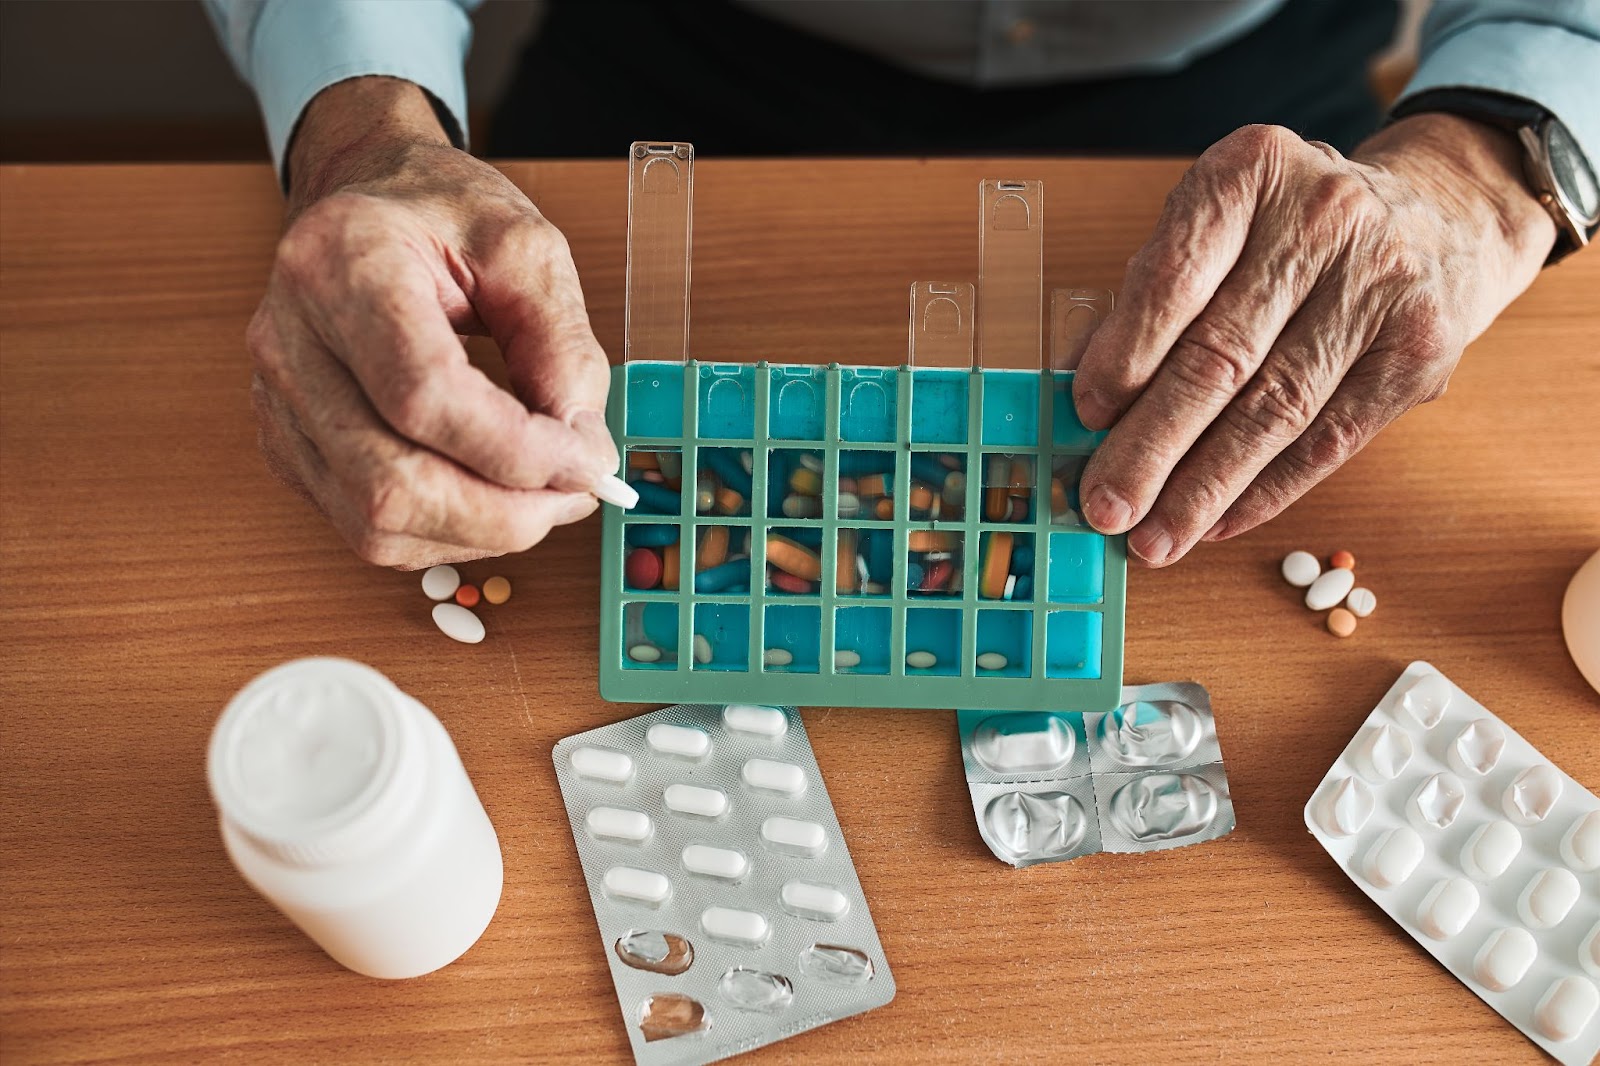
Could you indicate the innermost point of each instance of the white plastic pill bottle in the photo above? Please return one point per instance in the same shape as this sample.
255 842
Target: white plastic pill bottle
345 804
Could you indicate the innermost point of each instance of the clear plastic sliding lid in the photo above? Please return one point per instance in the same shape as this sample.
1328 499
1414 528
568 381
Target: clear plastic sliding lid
1074 316
941 325
1010 274
660 212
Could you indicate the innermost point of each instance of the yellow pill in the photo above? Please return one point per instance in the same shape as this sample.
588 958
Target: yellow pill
806 482
793 558
497 590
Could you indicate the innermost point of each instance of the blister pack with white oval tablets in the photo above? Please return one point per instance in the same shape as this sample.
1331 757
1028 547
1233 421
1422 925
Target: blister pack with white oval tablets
729 909
1482 850
1052 786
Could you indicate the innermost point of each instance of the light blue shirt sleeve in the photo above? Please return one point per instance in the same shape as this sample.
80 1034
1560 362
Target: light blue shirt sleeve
1546 51
290 50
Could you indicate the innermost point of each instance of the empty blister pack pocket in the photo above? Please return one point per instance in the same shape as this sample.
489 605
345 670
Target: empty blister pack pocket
728 907
1478 847
1047 786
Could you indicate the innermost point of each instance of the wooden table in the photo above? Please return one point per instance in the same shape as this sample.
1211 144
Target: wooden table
151 567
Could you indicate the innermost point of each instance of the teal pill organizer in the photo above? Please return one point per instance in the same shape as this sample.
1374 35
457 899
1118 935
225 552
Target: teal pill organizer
850 535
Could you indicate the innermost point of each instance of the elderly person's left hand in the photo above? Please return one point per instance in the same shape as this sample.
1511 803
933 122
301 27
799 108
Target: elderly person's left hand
1291 304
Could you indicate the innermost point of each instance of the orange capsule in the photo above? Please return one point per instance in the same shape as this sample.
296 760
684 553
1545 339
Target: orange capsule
932 540
1058 496
793 558
669 566
467 595
921 497
846 577
996 566
729 501
996 504
872 485
712 549
1342 560
1021 477
638 460
883 509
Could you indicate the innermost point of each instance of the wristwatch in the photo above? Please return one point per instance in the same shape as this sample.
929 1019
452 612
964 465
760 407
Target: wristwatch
1554 166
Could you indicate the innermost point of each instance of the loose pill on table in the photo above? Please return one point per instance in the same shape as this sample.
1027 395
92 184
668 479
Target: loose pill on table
696 800
1566 1008
1341 623
1504 958
1447 908
922 660
793 558
772 776
1342 560
1393 857
643 886
1361 602
1548 898
991 660
681 740
703 652
777 657
497 590
738 927
725 864
602 764
645 653
1300 569
794 836
615 823
1490 850
458 623
818 902
440 582
1580 845
467 595
1329 589
762 721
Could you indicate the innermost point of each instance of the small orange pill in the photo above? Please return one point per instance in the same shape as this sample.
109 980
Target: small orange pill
921 497
497 590
1058 496
669 566
729 501
713 548
643 461
467 595
1341 623
1021 477
1342 561
846 580
996 566
931 540
793 558
883 509
872 485
996 504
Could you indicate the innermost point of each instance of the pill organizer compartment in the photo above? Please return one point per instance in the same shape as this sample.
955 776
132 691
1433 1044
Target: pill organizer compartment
895 536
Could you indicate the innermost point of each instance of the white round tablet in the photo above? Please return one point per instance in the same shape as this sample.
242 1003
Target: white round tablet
1504 958
440 582
1447 908
1393 857
1548 898
458 623
1361 602
1566 1008
1300 569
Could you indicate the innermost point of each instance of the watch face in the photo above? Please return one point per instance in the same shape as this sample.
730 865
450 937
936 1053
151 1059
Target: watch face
1573 175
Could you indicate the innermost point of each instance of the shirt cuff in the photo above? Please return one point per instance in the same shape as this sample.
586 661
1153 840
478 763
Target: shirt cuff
301 47
1556 68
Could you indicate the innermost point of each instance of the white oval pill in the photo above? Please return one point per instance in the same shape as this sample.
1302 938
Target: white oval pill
1580 847
1490 850
1427 699
991 660
1478 747
440 582
1447 908
1361 602
645 653
693 799
614 823
763 721
1589 951
738 927
625 882
1393 857
1347 807
1385 752
777 657
819 902
922 660
1301 569
1548 899
602 764
783 777
794 836
1504 958
724 864
846 660
702 649
1327 590
1566 1008
681 740
1533 794
458 623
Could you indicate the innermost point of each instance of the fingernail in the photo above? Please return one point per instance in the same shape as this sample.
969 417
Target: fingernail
1106 511
615 491
1151 543
1215 531
1095 411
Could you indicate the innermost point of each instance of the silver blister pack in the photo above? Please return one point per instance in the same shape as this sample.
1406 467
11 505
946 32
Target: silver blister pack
729 909
1052 786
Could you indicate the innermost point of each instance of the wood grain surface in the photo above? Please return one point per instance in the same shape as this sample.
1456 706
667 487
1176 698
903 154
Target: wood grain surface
151 567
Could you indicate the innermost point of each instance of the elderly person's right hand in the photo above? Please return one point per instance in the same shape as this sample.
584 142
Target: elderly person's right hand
396 243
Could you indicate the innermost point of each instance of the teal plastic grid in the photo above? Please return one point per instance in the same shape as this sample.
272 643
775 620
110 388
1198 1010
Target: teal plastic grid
1062 647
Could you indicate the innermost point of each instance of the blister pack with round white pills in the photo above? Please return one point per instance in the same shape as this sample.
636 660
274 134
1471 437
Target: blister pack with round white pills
1482 850
728 906
1052 786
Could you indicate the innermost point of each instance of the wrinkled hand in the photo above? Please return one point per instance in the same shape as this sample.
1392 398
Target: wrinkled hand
1291 304
365 398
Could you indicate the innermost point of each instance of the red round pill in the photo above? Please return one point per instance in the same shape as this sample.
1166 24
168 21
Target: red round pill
642 568
789 583
467 595
937 576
